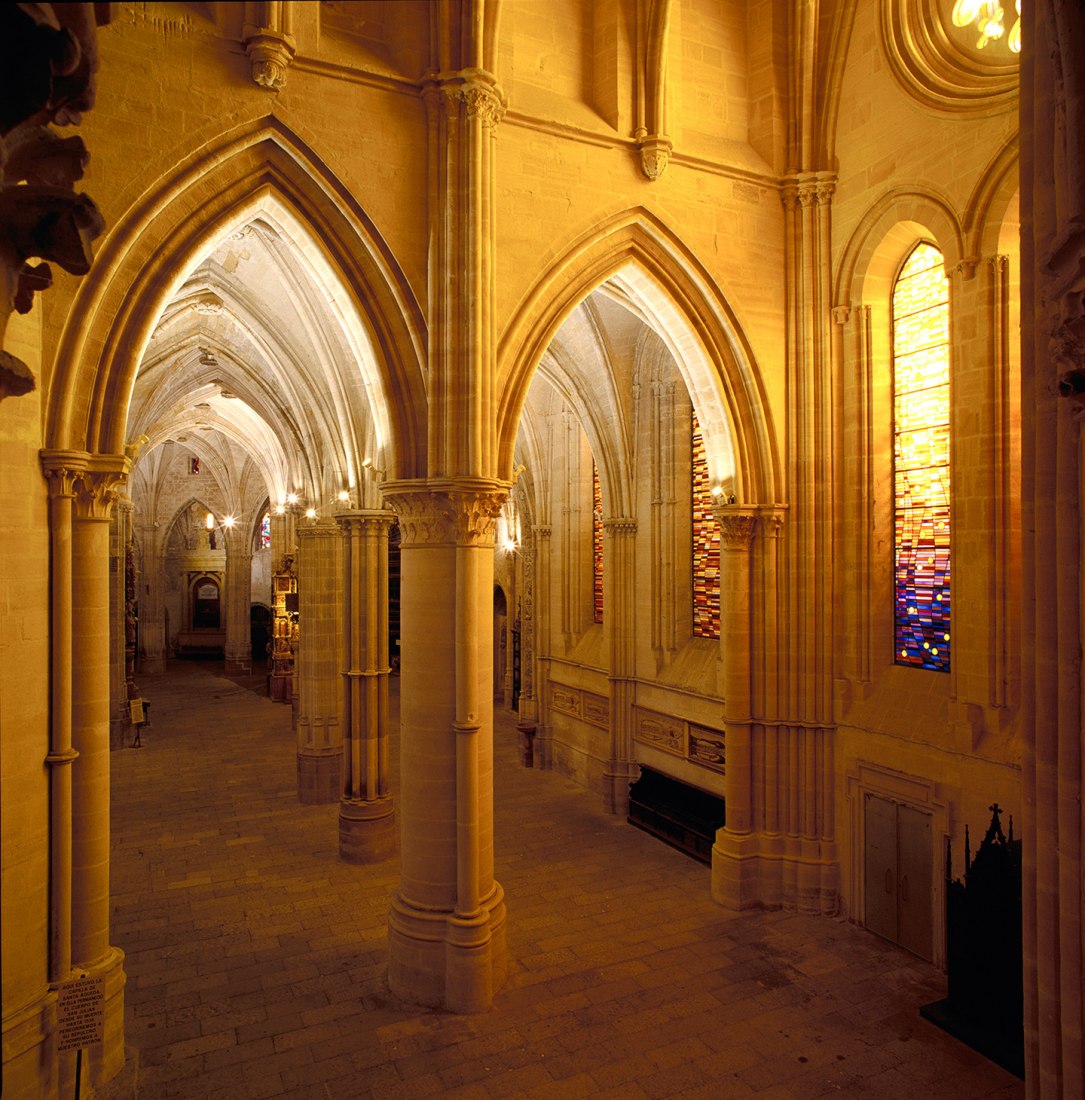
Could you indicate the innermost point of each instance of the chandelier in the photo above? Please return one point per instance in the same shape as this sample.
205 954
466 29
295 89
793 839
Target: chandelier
987 16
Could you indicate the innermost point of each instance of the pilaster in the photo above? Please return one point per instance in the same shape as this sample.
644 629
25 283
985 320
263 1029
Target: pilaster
447 924
366 813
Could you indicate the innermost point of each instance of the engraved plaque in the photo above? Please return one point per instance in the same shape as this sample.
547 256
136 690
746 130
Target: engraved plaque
706 747
660 731
596 709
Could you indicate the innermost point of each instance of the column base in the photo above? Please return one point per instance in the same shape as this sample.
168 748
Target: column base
616 780
367 830
152 664
104 1061
736 878
442 960
238 666
771 872
320 777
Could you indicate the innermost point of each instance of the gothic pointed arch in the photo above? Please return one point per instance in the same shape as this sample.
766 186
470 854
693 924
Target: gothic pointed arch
167 230
634 257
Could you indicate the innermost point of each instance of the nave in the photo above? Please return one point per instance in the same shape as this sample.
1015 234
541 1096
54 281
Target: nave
256 958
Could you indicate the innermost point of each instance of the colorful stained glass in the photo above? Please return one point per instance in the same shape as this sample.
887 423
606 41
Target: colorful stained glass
706 545
596 543
921 461
265 532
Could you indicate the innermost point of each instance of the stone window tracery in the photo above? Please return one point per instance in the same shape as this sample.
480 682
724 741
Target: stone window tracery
921 473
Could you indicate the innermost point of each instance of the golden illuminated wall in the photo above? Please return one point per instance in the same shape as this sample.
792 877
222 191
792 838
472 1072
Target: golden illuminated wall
921 461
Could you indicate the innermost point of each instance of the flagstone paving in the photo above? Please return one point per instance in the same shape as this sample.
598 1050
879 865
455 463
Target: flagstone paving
256 960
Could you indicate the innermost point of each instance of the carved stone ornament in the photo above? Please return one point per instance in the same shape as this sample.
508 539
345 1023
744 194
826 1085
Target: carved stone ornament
48 57
1065 307
736 528
808 191
655 155
474 89
460 512
270 53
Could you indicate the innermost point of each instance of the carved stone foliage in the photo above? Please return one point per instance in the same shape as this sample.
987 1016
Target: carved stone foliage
48 57
566 700
810 190
473 90
736 528
462 512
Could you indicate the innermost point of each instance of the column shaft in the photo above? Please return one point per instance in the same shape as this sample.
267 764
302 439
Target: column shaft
446 929
366 812
319 662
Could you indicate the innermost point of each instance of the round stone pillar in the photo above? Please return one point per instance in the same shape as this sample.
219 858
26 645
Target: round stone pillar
446 929
319 661
734 855
366 816
91 953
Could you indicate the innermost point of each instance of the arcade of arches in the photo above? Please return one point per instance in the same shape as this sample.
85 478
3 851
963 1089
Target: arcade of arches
566 357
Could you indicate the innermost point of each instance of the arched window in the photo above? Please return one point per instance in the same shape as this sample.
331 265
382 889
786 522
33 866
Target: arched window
265 532
706 543
596 544
921 519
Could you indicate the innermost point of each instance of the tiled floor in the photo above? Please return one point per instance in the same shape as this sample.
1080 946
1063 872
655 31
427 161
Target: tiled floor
256 959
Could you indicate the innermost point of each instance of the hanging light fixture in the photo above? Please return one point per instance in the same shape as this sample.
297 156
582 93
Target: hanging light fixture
988 18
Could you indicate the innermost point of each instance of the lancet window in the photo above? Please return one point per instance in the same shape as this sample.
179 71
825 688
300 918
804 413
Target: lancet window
706 543
921 442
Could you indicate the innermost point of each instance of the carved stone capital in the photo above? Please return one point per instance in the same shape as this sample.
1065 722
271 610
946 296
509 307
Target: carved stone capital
655 155
809 190
474 90
620 526
379 520
841 314
444 512
99 486
967 267
63 469
736 527
270 53
543 530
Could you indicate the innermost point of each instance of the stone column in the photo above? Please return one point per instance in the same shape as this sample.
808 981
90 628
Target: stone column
528 709
91 953
63 470
446 930
1053 493
543 744
734 855
318 662
152 616
366 813
238 650
620 626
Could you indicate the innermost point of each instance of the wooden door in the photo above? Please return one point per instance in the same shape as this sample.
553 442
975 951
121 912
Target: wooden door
898 867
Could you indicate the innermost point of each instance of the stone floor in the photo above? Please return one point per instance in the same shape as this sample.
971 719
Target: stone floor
256 959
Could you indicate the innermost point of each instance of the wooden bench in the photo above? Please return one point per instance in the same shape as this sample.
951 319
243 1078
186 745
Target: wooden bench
684 817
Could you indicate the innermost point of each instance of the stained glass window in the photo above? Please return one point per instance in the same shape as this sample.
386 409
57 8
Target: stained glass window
706 545
596 543
921 461
265 532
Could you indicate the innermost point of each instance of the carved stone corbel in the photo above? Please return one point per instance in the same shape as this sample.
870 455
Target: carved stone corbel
270 53
655 155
